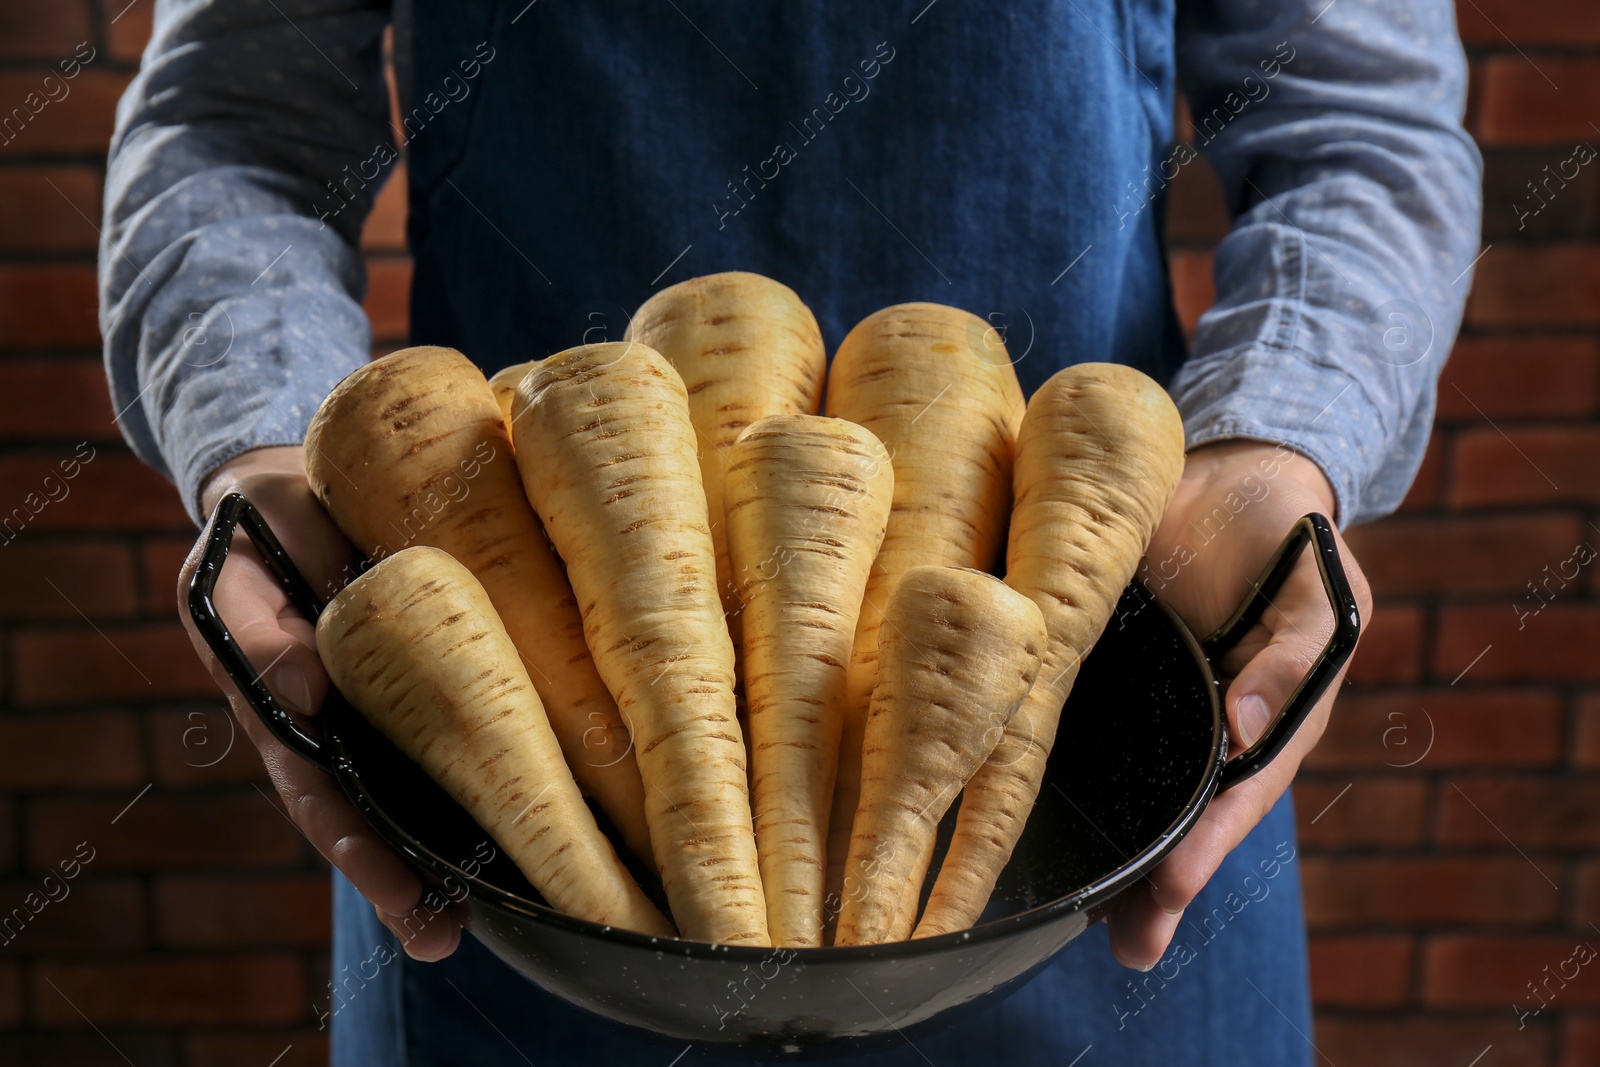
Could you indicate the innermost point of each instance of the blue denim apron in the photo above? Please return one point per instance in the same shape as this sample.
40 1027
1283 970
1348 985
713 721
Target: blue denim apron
568 159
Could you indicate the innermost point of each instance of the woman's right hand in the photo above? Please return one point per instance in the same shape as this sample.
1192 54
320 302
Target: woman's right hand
282 645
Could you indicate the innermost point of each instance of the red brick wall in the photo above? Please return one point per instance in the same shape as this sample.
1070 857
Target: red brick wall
197 933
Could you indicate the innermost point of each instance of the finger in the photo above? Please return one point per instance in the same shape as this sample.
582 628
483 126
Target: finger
316 804
313 798
1140 928
1227 821
429 933
1232 814
279 644
1297 627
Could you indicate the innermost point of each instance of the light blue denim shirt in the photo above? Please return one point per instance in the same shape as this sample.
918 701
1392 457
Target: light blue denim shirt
1011 160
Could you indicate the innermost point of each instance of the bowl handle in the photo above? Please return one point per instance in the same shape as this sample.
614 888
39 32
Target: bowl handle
232 512
1318 531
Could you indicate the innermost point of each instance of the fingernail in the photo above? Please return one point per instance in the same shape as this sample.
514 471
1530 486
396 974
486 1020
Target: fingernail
1253 716
1147 967
396 925
294 693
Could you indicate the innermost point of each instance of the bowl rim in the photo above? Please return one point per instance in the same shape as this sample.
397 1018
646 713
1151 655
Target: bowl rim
1087 897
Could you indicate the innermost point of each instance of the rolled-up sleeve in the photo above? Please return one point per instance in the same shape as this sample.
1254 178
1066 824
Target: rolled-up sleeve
1355 192
246 156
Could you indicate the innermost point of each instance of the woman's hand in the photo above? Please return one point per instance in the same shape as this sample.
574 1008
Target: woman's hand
1234 506
282 645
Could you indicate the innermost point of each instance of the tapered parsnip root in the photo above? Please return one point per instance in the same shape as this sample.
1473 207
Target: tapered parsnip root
911 896
1098 459
412 450
959 652
607 454
936 386
746 347
504 386
415 645
807 498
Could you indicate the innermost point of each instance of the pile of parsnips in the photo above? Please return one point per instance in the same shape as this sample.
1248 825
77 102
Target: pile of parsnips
765 643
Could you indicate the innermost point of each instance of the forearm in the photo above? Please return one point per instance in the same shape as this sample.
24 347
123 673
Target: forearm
230 277
1356 196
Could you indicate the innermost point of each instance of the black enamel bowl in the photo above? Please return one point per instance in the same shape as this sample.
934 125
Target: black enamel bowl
1142 749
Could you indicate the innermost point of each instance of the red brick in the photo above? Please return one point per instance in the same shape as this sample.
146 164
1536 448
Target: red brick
160 833
172 992
79 124
98 749
8 835
244 912
1519 105
1427 486
1540 194
128 32
10 994
112 491
1588 904
1520 377
1196 213
1455 554
1491 972
67 400
1537 465
1581 1042
1557 643
127 663
1423 1042
49 209
1455 727
43 31
1374 811
305 1048
1586 753
201 744
1536 286
1530 814
96 915
113 1048
58 579
388 302
1361 972
385 230
1391 646
160 559
1563 23
48 306
1193 288
1352 892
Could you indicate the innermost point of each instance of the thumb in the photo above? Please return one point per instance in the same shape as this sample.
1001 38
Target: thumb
1263 686
278 643
285 660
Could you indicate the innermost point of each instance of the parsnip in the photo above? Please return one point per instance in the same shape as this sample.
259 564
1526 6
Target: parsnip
959 652
415 645
807 498
607 454
412 450
936 386
504 386
746 347
1098 459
